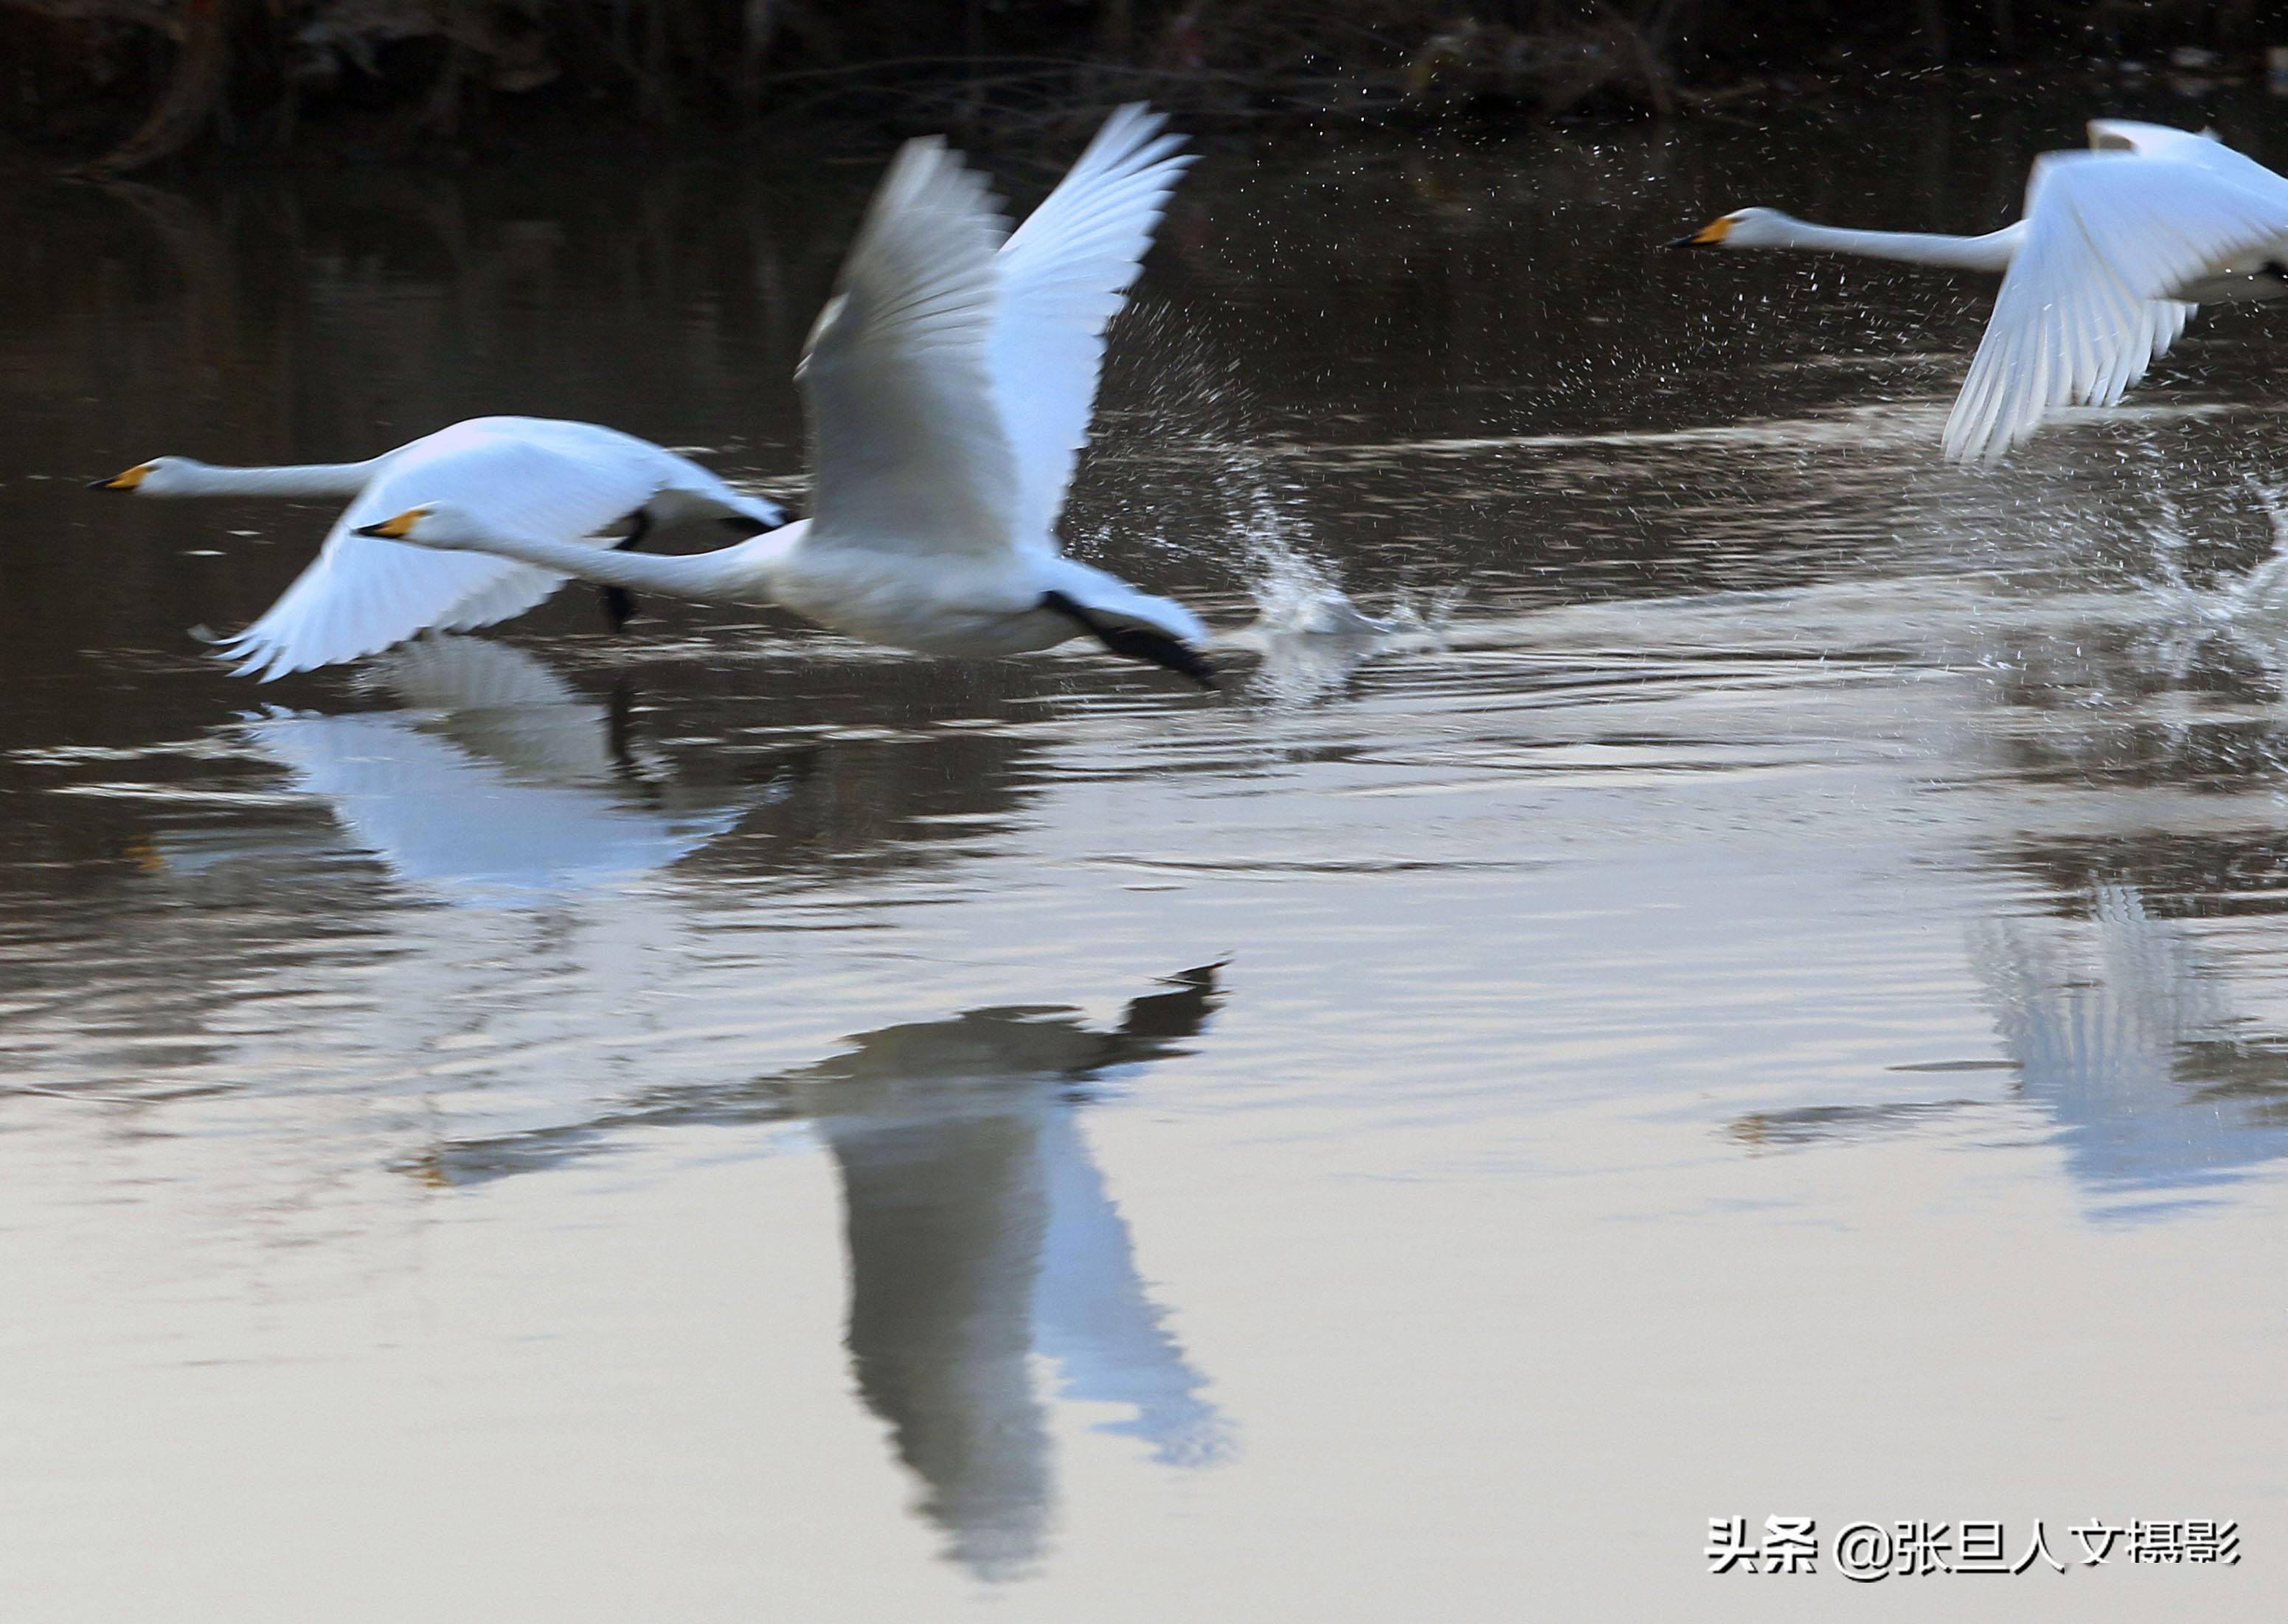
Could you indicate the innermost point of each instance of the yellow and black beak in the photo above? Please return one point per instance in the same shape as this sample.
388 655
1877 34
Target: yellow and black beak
1707 236
126 481
394 530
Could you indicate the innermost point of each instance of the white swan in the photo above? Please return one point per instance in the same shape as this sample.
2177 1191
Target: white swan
950 384
564 481
2116 247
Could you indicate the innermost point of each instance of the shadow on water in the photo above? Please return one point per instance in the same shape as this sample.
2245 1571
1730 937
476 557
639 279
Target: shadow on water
981 1239
2138 747
2122 1035
981 1235
292 855
496 781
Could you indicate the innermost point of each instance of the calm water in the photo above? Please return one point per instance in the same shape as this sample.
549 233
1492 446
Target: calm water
1765 998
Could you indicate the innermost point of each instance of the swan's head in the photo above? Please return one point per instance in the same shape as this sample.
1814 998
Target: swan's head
1741 229
161 476
434 524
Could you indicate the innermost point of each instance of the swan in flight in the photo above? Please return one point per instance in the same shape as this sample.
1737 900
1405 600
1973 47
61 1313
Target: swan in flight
565 482
949 382
2116 247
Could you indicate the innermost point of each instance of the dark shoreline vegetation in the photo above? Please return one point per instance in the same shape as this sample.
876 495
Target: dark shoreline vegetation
123 85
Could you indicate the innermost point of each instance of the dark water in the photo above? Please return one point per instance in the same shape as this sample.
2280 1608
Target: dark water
1765 998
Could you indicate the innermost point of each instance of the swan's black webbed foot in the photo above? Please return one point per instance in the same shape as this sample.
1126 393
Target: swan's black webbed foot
1137 642
619 602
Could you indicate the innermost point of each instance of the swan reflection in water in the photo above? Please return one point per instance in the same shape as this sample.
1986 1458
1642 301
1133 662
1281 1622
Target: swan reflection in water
980 1237
2130 1047
497 780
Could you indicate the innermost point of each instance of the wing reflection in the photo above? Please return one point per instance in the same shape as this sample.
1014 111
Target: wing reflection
2127 1040
498 779
2119 1045
981 1235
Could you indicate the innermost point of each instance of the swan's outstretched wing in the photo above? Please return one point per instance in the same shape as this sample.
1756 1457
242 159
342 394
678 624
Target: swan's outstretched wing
1064 276
907 443
2204 150
566 480
2088 302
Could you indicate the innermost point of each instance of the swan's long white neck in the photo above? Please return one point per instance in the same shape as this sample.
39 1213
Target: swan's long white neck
1991 252
187 477
738 572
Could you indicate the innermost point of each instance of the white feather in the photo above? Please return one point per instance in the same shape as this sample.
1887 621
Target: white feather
1065 274
2088 303
547 477
908 451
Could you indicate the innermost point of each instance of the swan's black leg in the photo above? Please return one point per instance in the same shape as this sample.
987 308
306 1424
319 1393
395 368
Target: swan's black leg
619 602
619 732
1137 642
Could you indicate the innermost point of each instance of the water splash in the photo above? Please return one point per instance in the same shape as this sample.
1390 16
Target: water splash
1307 630
2246 613
1310 635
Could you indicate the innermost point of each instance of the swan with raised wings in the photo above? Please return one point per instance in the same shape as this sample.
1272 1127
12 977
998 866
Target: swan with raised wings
950 384
2116 248
565 482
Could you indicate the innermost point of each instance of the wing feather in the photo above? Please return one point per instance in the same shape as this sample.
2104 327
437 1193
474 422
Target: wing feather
1065 274
907 441
2086 304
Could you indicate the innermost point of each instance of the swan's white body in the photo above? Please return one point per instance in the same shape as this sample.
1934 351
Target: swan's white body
562 481
2116 248
950 384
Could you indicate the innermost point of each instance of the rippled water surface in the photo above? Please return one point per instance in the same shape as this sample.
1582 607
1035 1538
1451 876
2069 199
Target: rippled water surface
1763 994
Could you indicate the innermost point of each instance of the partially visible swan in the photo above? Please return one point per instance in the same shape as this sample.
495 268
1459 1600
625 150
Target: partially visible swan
566 481
950 384
2116 248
